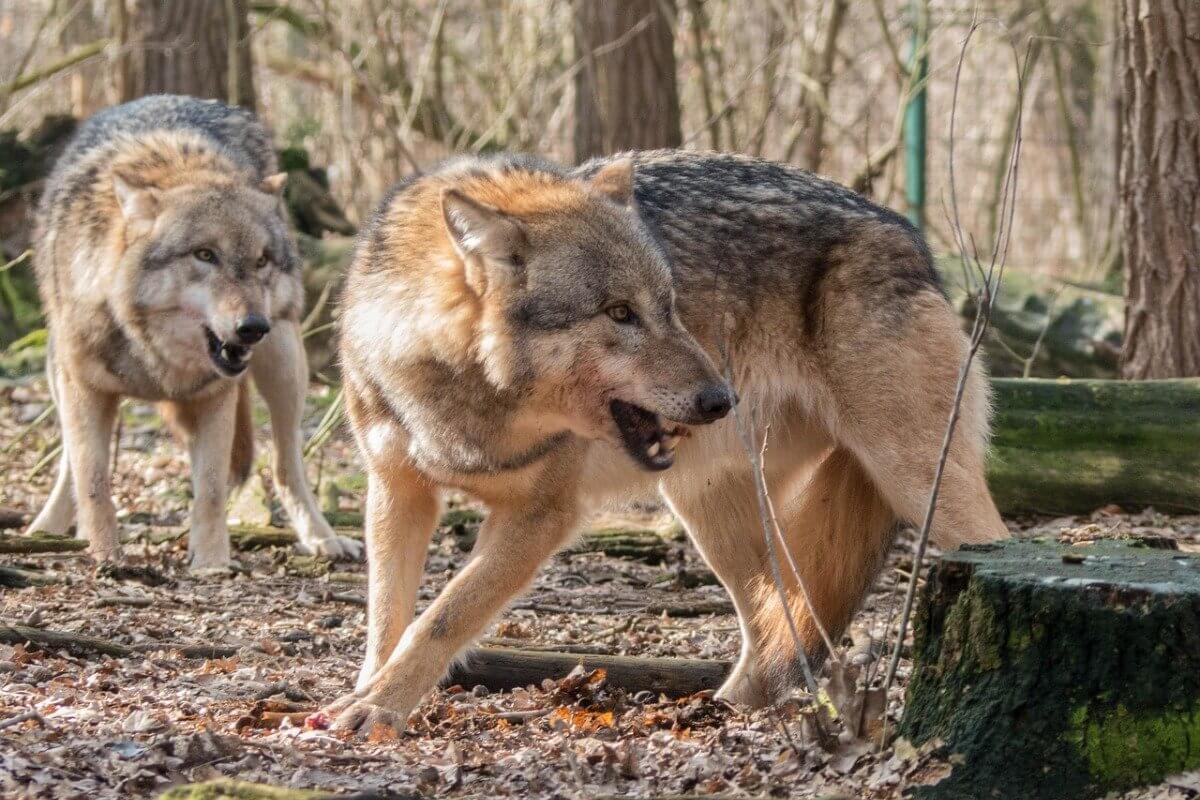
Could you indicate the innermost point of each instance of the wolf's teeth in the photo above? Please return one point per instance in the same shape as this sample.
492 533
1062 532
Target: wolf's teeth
654 449
670 441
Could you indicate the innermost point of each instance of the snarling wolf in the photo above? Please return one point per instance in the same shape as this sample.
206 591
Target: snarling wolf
549 341
167 272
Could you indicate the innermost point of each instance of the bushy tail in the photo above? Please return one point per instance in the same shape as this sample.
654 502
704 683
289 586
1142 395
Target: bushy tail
838 529
241 457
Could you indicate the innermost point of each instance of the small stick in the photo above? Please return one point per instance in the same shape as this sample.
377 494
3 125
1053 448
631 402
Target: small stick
24 716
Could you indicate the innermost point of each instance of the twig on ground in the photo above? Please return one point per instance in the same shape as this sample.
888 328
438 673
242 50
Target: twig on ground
24 716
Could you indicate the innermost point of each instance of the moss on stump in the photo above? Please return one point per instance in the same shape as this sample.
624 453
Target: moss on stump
1058 672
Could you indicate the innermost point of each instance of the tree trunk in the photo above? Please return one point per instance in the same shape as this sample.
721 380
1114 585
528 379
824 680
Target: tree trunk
626 95
1160 187
1051 671
199 47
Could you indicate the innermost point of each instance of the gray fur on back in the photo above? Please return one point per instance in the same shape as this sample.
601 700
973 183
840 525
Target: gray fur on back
235 132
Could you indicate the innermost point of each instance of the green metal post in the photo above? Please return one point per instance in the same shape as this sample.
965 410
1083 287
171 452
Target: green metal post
914 116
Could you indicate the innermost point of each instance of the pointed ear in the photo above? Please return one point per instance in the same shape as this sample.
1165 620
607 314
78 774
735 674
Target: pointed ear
479 229
615 181
138 202
273 184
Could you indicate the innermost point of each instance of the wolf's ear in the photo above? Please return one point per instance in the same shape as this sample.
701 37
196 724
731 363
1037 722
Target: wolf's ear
273 184
615 181
478 229
138 202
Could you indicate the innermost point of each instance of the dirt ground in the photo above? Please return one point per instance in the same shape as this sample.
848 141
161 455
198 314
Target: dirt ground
291 633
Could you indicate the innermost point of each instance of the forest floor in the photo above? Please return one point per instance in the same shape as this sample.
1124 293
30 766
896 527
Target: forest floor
101 727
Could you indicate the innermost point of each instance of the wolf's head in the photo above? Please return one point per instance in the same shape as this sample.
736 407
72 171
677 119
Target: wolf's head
578 308
200 263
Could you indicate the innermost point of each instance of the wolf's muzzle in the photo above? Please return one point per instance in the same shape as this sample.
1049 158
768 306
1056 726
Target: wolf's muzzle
252 328
714 401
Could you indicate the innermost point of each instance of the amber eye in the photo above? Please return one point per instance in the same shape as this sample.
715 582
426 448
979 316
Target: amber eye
206 255
620 313
262 261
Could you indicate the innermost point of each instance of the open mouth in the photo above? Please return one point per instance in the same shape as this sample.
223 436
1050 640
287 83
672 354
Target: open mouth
644 436
230 359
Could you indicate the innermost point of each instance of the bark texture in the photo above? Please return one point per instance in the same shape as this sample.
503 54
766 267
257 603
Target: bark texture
1057 672
626 95
1160 187
199 47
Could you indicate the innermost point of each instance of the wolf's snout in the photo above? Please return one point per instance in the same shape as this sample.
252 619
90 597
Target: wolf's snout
252 328
715 401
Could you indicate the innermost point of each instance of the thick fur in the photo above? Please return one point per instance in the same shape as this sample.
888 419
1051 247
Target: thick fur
161 231
487 330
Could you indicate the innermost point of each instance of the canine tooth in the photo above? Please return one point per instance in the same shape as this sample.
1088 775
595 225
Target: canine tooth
654 449
670 441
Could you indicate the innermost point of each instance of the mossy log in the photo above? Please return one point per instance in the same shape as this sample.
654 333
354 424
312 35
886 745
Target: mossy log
1058 672
40 542
1072 446
502 668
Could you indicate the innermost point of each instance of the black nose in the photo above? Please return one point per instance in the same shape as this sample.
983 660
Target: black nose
252 328
715 401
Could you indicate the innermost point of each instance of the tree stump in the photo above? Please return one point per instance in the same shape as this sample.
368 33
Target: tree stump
1052 671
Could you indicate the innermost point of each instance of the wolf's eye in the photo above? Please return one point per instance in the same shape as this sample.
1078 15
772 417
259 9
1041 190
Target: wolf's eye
205 255
262 261
620 313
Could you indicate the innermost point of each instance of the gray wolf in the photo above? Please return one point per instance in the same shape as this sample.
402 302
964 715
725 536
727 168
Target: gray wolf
552 340
167 273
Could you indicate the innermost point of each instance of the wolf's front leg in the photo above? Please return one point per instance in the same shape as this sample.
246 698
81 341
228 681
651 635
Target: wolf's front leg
211 424
87 417
280 372
402 510
513 544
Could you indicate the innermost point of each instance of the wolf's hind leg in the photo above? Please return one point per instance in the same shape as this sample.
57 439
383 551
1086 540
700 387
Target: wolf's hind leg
88 418
893 393
280 372
402 509
58 514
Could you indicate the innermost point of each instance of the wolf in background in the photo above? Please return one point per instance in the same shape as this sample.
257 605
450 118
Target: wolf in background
164 264
549 341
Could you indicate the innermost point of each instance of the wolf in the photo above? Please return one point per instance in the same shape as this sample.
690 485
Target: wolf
167 273
550 341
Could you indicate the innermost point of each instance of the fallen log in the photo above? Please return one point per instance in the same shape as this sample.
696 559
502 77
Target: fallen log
1070 447
40 542
230 789
502 668
12 518
1057 671
76 644
497 668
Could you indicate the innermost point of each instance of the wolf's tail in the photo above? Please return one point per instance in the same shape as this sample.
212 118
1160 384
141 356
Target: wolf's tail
838 529
241 457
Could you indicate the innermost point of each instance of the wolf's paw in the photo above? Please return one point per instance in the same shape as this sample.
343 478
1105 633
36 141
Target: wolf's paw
362 718
339 548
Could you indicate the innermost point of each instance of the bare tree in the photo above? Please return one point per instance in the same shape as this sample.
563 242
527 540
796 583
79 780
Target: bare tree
626 94
198 47
1160 187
